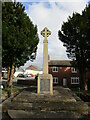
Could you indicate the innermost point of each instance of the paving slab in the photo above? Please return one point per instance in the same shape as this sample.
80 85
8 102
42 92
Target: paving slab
24 114
59 95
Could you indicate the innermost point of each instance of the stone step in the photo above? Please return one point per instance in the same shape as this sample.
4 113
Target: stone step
78 107
41 100
24 114
61 101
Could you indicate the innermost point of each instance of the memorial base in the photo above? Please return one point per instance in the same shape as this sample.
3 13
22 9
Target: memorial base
45 84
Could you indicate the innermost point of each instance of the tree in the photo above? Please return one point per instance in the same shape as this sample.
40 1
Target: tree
20 38
75 37
0 39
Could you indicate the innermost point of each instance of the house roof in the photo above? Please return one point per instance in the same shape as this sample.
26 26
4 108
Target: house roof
32 67
59 62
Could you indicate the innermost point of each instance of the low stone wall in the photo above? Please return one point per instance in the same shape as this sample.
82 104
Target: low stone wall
27 82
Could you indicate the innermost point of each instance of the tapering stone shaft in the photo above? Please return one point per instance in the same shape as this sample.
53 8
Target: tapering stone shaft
45 33
45 57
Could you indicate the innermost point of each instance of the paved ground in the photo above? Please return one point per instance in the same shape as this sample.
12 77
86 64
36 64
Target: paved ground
28 104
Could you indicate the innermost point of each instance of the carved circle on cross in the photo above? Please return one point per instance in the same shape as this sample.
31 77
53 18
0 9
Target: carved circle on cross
45 32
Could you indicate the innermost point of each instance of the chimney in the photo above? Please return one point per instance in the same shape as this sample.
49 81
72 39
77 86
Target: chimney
48 58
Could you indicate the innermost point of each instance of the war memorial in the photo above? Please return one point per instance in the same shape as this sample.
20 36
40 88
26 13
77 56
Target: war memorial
45 80
44 100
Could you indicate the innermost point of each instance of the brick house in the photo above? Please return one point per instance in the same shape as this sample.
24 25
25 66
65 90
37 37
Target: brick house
64 74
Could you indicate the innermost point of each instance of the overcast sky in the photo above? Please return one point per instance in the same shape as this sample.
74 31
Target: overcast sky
52 15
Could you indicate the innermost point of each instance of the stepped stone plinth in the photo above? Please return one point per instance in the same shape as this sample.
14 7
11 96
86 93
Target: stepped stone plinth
62 104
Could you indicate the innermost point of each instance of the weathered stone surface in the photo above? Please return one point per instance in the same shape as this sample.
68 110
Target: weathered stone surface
24 114
44 85
60 95
61 103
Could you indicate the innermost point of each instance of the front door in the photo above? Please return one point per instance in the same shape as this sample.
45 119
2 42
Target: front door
64 82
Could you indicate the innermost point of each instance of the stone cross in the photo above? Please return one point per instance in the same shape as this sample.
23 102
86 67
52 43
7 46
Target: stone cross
45 33
45 80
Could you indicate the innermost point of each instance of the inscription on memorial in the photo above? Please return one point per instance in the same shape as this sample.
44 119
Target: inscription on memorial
44 85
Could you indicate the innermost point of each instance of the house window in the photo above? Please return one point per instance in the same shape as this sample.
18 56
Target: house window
55 80
73 70
55 69
74 80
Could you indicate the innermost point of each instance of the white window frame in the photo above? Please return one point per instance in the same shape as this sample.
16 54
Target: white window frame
55 69
74 70
55 80
74 80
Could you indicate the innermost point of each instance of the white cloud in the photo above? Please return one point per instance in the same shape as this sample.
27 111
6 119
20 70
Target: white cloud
47 0
52 17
